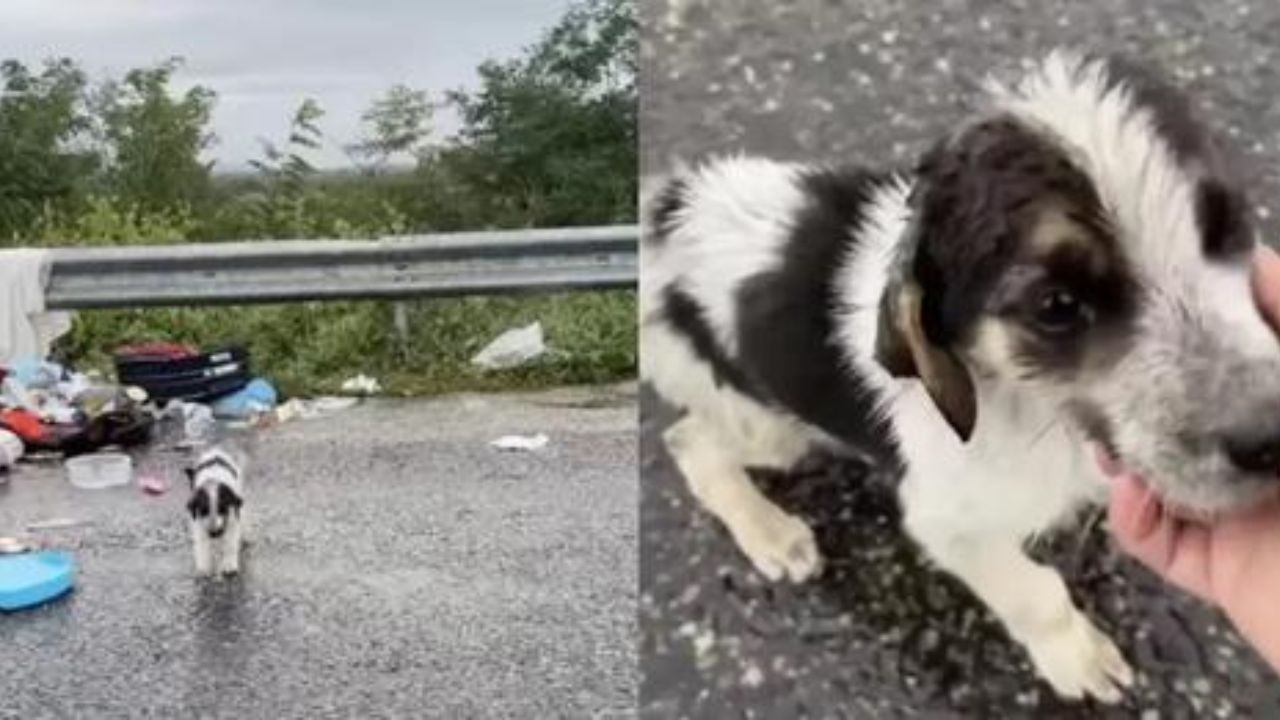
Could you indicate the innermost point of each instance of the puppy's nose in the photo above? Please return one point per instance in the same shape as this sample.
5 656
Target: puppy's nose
1255 453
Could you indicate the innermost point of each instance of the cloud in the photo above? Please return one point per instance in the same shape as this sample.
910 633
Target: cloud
263 58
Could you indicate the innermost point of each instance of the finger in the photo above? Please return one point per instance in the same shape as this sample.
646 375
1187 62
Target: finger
1187 563
1175 549
1266 282
1133 512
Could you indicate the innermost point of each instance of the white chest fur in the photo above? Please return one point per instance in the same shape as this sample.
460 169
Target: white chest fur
1023 471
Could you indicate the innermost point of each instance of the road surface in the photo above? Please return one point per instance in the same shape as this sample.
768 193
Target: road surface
402 568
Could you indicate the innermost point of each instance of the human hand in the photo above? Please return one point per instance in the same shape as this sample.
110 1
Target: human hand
1232 561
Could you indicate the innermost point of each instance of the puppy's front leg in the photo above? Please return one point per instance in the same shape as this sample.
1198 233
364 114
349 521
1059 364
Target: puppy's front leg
779 544
1032 601
202 548
231 542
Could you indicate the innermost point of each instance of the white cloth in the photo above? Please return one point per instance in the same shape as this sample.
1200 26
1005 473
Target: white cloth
26 326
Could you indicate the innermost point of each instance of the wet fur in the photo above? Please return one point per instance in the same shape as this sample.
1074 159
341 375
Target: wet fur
786 305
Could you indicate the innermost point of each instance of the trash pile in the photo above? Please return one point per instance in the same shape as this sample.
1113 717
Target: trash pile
168 395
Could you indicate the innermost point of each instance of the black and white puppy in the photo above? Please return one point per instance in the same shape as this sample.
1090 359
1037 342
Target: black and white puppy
216 507
1071 267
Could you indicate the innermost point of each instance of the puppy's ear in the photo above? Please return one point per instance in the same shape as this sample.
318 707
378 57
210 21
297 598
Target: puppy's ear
198 505
228 500
904 350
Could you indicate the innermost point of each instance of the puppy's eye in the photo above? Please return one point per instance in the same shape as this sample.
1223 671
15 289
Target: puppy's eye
1057 310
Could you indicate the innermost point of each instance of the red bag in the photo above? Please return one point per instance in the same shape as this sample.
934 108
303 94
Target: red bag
26 425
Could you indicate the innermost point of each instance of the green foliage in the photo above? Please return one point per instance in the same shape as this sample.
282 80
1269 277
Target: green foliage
547 139
152 141
550 138
398 123
112 221
41 114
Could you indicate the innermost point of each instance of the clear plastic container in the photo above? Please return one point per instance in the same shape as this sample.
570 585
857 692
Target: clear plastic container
100 470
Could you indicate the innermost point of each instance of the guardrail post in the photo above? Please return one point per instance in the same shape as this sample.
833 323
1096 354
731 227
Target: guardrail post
400 317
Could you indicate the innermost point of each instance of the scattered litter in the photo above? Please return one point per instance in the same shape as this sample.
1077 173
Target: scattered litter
512 348
198 424
298 409
153 484
34 371
256 398
14 546
361 385
11 449
34 578
526 443
97 471
61 523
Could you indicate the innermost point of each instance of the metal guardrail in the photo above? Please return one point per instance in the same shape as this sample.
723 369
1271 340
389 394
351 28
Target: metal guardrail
473 263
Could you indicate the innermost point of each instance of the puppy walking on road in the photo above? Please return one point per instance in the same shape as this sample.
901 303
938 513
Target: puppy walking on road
216 508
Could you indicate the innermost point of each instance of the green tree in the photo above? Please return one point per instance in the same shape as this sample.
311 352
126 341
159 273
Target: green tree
397 124
285 170
43 164
153 138
550 137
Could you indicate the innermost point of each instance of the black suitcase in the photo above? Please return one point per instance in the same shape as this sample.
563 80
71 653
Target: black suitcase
198 378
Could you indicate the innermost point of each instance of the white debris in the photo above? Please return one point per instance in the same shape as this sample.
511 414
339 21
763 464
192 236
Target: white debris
361 385
526 443
512 348
59 523
298 409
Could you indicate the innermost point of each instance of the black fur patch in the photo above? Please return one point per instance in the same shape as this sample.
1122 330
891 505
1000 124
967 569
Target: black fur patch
1222 215
198 506
215 461
670 200
1222 210
685 316
785 329
972 206
228 500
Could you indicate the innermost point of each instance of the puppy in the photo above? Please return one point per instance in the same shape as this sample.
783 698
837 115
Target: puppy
216 508
1069 268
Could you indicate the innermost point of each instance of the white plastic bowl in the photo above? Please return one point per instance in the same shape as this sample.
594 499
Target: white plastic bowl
100 470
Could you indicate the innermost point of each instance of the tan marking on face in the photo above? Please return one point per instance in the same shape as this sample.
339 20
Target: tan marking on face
1052 229
991 349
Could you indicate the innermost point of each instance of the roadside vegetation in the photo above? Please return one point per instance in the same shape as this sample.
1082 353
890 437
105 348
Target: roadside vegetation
546 139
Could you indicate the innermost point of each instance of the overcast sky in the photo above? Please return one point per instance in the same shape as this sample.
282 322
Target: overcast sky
263 56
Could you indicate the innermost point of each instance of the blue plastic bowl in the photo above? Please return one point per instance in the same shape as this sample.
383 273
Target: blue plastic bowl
34 578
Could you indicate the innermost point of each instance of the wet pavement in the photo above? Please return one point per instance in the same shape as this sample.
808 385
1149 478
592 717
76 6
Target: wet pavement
879 634
401 569
875 81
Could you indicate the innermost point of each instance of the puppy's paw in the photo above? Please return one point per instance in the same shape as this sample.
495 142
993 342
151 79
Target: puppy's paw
780 545
229 569
1077 659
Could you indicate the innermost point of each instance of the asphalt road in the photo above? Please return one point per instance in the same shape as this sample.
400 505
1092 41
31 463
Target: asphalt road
402 569
880 634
